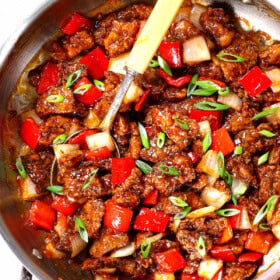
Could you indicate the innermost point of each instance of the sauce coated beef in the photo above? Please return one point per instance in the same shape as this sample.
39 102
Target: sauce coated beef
195 156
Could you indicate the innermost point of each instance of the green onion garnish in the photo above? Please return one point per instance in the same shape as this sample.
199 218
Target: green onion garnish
181 123
227 212
20 168
82 229
223 91
73 77
263 158
164 66
230 57
264 113
145 247
228 178
60 139
264 227
165 169
177 201
143 136
99 84
154 63
89 181
201 247
238 150
55 189
192 85
207 88
161 139
221 164
234 199
265 209
55 98
181 215
82 89
206 142
211 106
267 133
143 166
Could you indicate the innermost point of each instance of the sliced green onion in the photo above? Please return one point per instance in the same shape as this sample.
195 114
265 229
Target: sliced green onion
161 139
99 84
181 215
241 190
234 199
267 133
164 66
230 57
263 158
238 150
177 201
82 229
228 178
265 209
181 123
192 85
20 168
145 247
264 113
143 136
206 142
154 63
165 169
227 212
143 166
221 164
55 189
55 98
201 247
60 139
264 227
211 106
203 92
207 85
82 89
224 91
90 179
73 77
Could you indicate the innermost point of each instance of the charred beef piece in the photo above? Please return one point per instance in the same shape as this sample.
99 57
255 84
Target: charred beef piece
239 271
270 56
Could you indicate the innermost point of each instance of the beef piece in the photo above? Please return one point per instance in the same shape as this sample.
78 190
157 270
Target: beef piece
192 266
68 107
108 241
236 122
99 263
162 245
270 56
196 224
34 76
238 271
251 204
209 70
274 158
194 199
174 94
99 187
218 25
54 126
166 184
38 166
135 143
132 269
237 243
92 214
215 226
200 182
66 68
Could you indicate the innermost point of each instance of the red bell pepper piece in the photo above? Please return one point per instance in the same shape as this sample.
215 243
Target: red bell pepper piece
74 23
250 257
171 53
217 82
255 81
194 158
221 141
121 169
117 217
175 82
259 241
219 275
171 260
61 223
142 99
227 234
214 117
96 62
87 97
194 276
49 77
80 138
99 153
234 221
42 215
223 253
152 198
63 205
151 220
30 132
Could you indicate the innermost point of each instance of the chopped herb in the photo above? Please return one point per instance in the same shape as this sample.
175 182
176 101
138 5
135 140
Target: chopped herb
206 142
230 57
177 201
267 133
60 139
161 139
20 168
143 136
164 66
181 123
73 77
211 106
143 166
227 212
55 189
82 89
238 150
181 215
264 113
192 85
201 247
146 247
99 84
55 98
81 229
90 179
263 158
165 169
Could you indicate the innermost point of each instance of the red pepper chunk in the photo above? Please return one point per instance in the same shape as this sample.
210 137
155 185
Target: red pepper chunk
259 241
80 138
152 198
234 221
121 169
117 217
194 276
227 234
217 82
87 97
99 153
221 141
171 260
255 81
49 77
219 275
214 117
250 257
74 23
175 82
42 215
63 205
193 157
151 220
223 252
142 99
30 132
171 53
96 62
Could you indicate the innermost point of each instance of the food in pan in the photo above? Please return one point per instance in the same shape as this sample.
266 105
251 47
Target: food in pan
192 190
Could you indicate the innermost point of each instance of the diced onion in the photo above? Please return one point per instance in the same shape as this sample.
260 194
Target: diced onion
31 114
77 245
52 253
274 75
238 187
245 222
204 128
196 12
276 230
208 268
99 140
275 117
164 276
27 189
156 237
133 93
92 120
125 251
63 149
117 64
201 212
214 197
231 100
208 164
195 50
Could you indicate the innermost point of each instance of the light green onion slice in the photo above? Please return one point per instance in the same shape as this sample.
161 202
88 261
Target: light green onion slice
143 136
82 89
89 181
20 168
55 98
263 158
192 85
55 189
203 92
264 113
230 57
81 229
201 247
264 227
267 133
181 215
206 142
154 63
234 199
211 106
60 139
224 91
161 139
181 123
164 65
143 166
165 169
73 77
238 150
99 84
177 201
145 247
221 164
228 212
